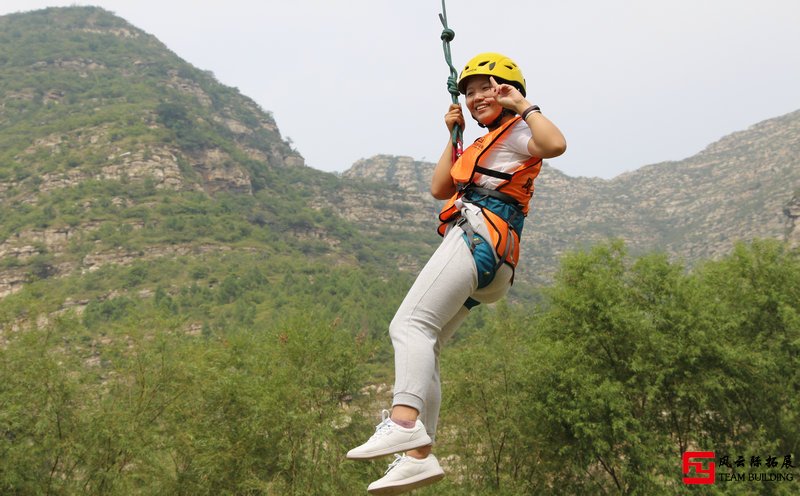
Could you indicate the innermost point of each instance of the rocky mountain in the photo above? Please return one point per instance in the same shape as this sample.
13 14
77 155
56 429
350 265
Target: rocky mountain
117 155
116 152
187 308
90 101
744 186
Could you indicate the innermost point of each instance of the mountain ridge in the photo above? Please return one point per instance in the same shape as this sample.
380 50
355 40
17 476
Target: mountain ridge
103 130
736 188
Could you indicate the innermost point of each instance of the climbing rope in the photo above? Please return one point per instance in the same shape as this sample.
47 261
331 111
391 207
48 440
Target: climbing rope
452 83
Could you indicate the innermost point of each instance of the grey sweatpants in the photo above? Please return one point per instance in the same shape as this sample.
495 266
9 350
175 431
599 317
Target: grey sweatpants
430 313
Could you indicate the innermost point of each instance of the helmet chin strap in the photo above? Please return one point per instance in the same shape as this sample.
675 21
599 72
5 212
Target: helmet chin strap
497 121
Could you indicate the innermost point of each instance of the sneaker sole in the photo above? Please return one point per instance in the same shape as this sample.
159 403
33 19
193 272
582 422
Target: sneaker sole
407 486
419 443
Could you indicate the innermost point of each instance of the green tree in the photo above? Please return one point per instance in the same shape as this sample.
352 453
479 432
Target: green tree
626 365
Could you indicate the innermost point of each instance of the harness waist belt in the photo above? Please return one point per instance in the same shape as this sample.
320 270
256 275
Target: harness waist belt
494 194
499 203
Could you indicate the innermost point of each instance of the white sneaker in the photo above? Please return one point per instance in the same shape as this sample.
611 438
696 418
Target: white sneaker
390 438
407 473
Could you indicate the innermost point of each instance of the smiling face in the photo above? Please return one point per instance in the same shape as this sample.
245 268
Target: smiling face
480 96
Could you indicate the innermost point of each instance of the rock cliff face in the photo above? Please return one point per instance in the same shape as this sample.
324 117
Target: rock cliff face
407 174
739 188
404 204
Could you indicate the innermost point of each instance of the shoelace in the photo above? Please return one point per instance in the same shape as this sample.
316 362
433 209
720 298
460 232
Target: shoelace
384 426
398 459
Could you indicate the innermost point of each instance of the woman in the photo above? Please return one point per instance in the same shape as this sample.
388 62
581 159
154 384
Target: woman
489 189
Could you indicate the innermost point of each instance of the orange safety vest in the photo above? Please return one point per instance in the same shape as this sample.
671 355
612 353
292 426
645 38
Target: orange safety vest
517 184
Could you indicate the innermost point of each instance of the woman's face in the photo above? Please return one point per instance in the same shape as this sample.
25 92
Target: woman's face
480 99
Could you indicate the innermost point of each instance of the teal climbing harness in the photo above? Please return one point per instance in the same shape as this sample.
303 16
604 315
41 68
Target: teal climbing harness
452 81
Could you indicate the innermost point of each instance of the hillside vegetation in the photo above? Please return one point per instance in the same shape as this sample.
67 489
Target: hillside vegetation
624 366
186 308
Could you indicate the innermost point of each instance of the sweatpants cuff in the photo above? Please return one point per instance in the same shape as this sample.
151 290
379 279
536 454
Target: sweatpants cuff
408 399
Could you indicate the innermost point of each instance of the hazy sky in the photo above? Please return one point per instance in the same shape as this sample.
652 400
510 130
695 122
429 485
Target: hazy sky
629 82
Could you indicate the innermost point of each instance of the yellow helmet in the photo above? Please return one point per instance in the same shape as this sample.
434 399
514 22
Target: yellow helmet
492 64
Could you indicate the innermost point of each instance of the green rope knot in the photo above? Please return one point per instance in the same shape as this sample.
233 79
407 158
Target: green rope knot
448 34
452 85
